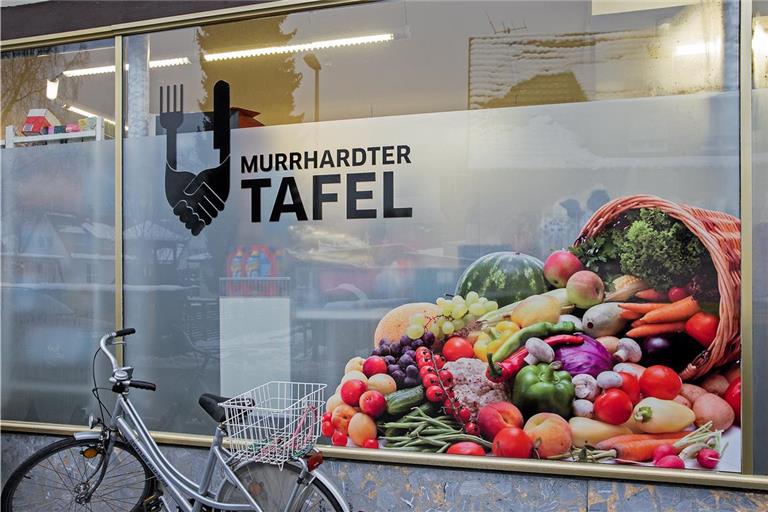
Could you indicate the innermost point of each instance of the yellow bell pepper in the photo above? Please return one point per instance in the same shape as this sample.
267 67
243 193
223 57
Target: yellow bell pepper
485 344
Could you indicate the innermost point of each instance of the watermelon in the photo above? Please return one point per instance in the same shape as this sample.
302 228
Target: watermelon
505 277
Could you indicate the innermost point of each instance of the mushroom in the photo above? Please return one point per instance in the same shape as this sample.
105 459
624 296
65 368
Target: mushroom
585 386
607 380
583 408
538 351
628 350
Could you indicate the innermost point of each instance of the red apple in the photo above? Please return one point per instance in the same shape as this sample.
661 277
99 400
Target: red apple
560 266
496 416
352 390
374 365
373 403
585 289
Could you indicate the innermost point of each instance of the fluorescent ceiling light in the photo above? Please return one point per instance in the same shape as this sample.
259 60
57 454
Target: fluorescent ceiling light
295 48
51 89
760 41
86 113
698 48
100 70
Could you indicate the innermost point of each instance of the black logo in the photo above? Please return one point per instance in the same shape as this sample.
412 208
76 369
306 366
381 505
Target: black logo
196 199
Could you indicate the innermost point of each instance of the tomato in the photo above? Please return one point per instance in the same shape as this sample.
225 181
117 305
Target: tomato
435 394
466 448
430 379
422 352
448 407
327 428
457 348
371 443
327 416
512 442
424 361
631 386
702 327
339 439
660 382
426 370
446 378
732 395
439 361
614 407
472 429
677 293
465 414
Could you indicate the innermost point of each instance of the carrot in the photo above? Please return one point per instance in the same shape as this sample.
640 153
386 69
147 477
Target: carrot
679 311
651 295
641 308
639 451
630 315
609 443
654 329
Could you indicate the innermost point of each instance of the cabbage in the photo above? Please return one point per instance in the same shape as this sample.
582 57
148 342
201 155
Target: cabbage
589 357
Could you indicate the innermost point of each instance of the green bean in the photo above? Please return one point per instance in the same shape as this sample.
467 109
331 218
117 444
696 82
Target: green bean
403 448
444 448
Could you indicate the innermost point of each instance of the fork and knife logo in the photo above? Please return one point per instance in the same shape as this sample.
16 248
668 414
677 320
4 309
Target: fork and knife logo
196 199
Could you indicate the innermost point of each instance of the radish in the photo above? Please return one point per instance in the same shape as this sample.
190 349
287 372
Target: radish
670 461
662 451
708 458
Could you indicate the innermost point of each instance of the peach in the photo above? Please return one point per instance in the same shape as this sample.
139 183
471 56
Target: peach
496 416
361 428
550 433
341 417
333 403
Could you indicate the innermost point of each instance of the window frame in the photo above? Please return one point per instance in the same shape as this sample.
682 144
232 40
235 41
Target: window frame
744 480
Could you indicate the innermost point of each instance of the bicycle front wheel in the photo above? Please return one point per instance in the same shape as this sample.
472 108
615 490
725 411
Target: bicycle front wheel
271 488
60 475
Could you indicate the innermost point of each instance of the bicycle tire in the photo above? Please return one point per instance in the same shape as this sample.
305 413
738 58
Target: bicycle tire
248 474
60 483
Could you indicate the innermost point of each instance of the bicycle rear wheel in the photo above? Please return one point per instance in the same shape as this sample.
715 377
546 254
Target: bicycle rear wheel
52 478
271 488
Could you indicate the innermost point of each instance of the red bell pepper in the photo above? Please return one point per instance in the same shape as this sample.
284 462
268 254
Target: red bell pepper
507 369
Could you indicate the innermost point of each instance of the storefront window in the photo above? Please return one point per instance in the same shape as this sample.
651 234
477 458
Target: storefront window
376 151
57 181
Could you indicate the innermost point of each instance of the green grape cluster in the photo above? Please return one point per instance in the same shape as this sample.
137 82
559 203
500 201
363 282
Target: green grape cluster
455 313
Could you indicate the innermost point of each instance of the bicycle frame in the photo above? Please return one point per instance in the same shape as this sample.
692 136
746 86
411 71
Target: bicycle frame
181 489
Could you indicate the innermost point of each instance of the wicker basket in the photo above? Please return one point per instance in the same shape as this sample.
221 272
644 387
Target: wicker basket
720 233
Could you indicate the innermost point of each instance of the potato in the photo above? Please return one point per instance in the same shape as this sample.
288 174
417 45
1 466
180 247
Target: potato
682 400
354 364
710 407
733 373
611 343
692 392
716 384
361 428
333 402
354 375
382 383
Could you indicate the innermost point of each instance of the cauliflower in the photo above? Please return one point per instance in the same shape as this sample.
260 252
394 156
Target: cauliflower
473 390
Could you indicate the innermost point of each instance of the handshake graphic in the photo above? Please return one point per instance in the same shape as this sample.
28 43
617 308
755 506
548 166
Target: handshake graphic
196 198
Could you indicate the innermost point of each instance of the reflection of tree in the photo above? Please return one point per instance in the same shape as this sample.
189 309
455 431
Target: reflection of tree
265 84
24 76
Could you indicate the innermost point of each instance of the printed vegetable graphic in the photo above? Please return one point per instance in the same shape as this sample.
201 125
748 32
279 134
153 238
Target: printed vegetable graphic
702 327
542 388
504 277
539 330
656 416
676 312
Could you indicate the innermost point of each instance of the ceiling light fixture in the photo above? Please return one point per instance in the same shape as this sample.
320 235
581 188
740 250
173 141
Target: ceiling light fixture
101 70
295 48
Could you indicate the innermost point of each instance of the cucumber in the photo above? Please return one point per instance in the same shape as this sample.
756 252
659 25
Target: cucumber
401 402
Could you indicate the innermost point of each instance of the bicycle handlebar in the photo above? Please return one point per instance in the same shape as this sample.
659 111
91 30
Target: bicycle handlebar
107 338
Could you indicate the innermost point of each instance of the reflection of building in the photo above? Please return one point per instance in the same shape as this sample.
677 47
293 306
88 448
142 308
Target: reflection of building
58 248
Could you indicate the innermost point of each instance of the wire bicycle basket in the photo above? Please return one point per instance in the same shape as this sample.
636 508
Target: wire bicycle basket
275 422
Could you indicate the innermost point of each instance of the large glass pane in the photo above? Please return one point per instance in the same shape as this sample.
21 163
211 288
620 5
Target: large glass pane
57 183
447 130
760 226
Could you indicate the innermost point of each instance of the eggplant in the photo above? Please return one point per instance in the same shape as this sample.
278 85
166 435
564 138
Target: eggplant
673 350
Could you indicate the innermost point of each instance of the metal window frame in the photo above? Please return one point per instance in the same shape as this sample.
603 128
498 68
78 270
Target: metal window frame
745 480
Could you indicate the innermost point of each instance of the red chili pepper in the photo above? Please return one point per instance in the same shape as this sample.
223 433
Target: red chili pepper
508 368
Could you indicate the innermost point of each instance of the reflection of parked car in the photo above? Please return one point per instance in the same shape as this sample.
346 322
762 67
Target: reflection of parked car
45 356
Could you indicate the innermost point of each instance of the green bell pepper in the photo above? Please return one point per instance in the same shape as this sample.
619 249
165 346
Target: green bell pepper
542 388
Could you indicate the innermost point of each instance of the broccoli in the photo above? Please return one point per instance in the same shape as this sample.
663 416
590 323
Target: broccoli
648 244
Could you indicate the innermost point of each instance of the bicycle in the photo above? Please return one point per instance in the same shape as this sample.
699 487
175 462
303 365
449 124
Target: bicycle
270 463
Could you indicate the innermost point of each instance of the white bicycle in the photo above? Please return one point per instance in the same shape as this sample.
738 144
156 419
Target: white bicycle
269 463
